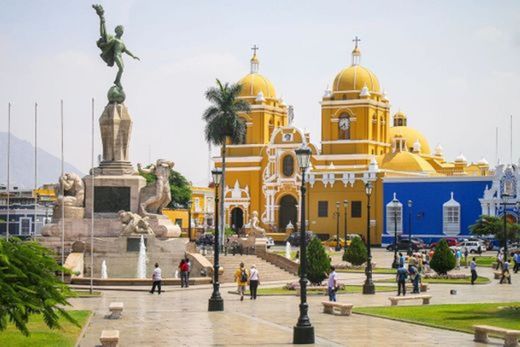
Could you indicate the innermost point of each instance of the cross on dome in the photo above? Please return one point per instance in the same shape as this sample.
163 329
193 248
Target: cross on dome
356 41
254 60
254 49
356 53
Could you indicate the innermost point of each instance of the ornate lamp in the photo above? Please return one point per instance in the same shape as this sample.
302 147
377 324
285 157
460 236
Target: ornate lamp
368 286
216 303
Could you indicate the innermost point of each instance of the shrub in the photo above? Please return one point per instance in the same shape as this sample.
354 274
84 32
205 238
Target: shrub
356 253
318 262
443 259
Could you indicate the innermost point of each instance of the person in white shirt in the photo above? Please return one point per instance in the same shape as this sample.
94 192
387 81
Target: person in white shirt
332 284
254 281
156 279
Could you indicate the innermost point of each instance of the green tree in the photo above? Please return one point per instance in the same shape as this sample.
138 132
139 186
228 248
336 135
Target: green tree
28 285
356 253
491 225
443 259
180 188
318 261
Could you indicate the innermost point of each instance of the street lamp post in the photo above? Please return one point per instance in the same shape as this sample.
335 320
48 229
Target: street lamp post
303 332
345 207
216 303
188 204
338 246
395 205
410 204
505 203
368 286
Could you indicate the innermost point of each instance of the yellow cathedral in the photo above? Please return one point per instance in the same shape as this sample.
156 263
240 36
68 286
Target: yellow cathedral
360 142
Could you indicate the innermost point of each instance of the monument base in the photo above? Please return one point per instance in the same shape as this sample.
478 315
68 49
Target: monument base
113 194
116 167
163 227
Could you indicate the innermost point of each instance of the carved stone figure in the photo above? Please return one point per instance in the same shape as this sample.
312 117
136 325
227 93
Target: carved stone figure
132 223
254 227
112 49
154 202
73 190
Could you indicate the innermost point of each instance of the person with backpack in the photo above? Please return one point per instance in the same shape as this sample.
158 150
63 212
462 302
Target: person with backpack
402 275
241 277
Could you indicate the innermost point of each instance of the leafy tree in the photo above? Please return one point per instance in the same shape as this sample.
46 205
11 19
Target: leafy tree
356 253
318 261
443 259
28 285
180 188
491 225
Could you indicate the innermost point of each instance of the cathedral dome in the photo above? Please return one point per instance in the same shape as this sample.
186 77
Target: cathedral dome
256 85
356 77
405 161
411 136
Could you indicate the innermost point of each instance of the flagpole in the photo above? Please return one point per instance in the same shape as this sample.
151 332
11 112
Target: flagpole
35 166
8 169
63 195
92 205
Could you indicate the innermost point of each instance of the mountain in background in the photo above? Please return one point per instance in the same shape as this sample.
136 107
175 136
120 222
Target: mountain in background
22 164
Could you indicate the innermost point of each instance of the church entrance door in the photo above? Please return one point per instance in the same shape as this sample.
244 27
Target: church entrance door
237 219
287 212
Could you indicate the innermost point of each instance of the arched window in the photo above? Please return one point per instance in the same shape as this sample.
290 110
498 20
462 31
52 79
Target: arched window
344 127
288 165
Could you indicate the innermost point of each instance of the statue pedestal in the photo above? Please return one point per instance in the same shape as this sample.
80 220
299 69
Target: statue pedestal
163 227
113 194
116 126
71 212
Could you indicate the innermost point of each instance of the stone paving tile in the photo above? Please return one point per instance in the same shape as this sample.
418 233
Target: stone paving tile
180 318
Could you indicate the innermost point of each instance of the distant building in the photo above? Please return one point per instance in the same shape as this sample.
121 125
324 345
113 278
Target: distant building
21 209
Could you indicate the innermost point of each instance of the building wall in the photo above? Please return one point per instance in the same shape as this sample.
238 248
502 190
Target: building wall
428 196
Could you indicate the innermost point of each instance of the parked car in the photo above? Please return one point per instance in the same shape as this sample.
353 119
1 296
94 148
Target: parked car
269 242
452 242
472 246
404 244
332 242
205 240
294 238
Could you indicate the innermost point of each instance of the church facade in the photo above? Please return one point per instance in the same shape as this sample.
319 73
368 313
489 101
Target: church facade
360 142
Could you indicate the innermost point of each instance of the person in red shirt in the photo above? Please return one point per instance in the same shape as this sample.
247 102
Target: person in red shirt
184 268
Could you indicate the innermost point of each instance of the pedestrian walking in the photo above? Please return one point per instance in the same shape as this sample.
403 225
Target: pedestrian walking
254 281
183 268
241 278
332 284
156 279
466 253
458 256
473 268
401 276
516 259
500 260
401 259
505 273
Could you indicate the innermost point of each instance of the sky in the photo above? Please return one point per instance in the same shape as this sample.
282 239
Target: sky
452 66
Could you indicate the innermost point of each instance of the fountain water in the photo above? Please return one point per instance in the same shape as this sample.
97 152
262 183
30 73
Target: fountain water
288 250
104 273
141 261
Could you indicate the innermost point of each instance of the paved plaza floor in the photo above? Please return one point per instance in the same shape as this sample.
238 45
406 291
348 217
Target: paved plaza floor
180 318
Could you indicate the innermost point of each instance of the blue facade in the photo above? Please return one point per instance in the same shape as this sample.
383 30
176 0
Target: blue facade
428 196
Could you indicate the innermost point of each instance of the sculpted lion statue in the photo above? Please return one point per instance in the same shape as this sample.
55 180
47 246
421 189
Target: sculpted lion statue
70 190
132 223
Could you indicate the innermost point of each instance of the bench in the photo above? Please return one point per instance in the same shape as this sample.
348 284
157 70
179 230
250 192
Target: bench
109 338
344 309
510 336
498 274
425 299
116 309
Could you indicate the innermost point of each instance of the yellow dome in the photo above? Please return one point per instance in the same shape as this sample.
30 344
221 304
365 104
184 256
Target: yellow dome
411 136
255 83
356 77
405 161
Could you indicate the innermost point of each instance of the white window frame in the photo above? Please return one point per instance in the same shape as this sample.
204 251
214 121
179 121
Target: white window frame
451 217
390 222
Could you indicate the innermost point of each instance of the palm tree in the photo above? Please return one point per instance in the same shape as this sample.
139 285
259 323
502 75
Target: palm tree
223 122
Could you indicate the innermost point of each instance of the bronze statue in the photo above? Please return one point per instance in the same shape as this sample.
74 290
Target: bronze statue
112 49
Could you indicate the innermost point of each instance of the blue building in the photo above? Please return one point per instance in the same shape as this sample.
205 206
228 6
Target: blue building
432 207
